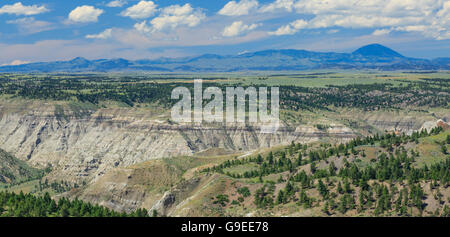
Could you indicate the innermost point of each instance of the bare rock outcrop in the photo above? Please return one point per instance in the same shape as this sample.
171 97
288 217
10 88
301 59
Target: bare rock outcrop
164 203
84 148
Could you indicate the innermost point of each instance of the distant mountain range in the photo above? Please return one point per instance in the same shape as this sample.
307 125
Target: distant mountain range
374 56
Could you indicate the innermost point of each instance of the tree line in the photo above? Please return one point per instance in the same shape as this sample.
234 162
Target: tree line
28 205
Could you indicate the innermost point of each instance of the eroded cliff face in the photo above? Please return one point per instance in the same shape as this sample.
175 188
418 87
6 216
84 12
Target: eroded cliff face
83 146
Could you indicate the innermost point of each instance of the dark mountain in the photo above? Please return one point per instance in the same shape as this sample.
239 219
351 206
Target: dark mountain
374 56
377 50
79 61
443 61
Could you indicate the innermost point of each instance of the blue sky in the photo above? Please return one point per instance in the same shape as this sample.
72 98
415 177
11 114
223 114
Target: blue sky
60 30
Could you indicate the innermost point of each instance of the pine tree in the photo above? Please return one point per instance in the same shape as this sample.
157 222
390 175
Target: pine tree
322 189
332 169
259 159
343 204
289 189
280 197
347 187
313 167
444 149
270 158
361 199
339 188
325 208
299 159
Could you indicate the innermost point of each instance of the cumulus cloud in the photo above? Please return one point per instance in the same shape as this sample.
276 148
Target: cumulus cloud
237 28
241 8
287 5
350 21
428 17
29 25
19 9
175 15
291 28
381 32
360 21
106 34
143 27
116 3
85 14
144 9
172 17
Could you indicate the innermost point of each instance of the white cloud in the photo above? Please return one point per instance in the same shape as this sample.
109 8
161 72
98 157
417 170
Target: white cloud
181 37
143 27
350 21
433 31
445 11
430 18
144 9
237 28
172 17
16 63
287 5
19 9
319 7
116 3
381 32
106 34
29 25
176 15
291 28
178 10
360 21
284 30
85 14
241 8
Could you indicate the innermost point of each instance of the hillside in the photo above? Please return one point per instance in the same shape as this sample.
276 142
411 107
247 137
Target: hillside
381 175
13 170
384 175
373 56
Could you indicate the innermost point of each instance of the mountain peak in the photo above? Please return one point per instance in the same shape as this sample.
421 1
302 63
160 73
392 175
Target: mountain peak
377 50
79 60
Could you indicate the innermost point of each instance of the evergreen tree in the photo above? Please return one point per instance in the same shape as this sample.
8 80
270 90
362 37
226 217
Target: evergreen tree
322 189
325 208
299 159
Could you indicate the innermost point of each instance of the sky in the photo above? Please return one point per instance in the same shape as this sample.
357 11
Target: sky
50 30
